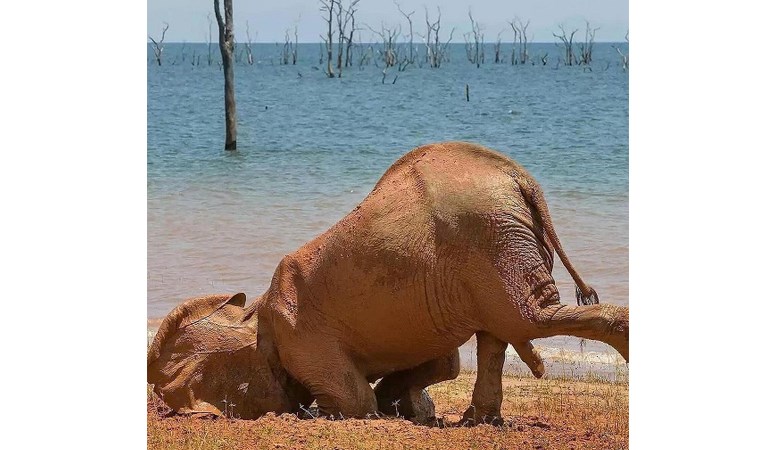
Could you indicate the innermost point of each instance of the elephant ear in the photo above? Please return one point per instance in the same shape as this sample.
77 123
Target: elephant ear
187 313
190 356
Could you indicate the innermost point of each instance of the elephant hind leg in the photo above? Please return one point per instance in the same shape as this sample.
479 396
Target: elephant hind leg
403 393
487 395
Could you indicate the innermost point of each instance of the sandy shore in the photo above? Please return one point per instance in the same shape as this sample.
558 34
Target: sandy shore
551 413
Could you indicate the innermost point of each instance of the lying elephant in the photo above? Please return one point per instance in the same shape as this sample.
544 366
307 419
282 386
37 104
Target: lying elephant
454 240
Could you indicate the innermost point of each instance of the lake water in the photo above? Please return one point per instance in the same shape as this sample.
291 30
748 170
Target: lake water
311 148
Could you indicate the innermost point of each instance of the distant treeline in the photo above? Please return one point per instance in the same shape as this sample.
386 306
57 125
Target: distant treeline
395 46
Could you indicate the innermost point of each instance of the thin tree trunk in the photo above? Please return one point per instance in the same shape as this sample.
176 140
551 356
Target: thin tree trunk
226 46
295 49
328 6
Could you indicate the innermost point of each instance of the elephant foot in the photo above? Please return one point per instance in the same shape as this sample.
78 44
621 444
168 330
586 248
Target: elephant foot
412 404
470 418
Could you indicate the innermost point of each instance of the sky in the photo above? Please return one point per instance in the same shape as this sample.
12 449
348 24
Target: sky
268 20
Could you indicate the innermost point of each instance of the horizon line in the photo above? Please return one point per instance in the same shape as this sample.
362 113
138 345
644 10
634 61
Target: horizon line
400 45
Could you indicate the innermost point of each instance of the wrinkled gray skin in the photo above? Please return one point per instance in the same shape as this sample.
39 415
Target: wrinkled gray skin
454 240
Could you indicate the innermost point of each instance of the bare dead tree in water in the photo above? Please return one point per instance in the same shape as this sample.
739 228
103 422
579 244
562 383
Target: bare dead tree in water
389 36
238 54
343 17
436 50
469 47
294 53
389 53
367 55
497 48
226 46
587 46
339 19
570 57
520 41
208 40
158 47
248 46
513 58
623 57
352 30
410 58
475 51
328 6
286 49
524 58
182 53
289 49
428 48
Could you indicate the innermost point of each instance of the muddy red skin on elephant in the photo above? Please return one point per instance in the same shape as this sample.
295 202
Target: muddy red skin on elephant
454 240
206 358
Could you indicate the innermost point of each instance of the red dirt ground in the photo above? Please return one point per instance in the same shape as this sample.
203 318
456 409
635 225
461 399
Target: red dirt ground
539 414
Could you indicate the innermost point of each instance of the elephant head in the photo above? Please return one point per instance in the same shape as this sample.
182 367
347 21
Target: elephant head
208 357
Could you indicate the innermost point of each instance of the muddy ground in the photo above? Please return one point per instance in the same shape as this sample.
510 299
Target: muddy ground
554 413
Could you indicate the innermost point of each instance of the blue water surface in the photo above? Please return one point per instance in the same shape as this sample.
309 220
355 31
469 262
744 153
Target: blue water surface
310 148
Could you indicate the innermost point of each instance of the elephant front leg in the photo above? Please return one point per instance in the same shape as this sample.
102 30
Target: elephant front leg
403 393
332 378
487 396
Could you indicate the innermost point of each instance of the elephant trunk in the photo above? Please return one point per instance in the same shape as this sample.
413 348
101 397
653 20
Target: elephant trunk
605 323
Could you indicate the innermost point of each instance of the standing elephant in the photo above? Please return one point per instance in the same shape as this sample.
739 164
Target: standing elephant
454 240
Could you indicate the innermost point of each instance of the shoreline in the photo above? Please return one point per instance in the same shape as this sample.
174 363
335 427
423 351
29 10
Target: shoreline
560 363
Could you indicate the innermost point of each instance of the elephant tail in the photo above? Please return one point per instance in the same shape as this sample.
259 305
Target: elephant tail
533 194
